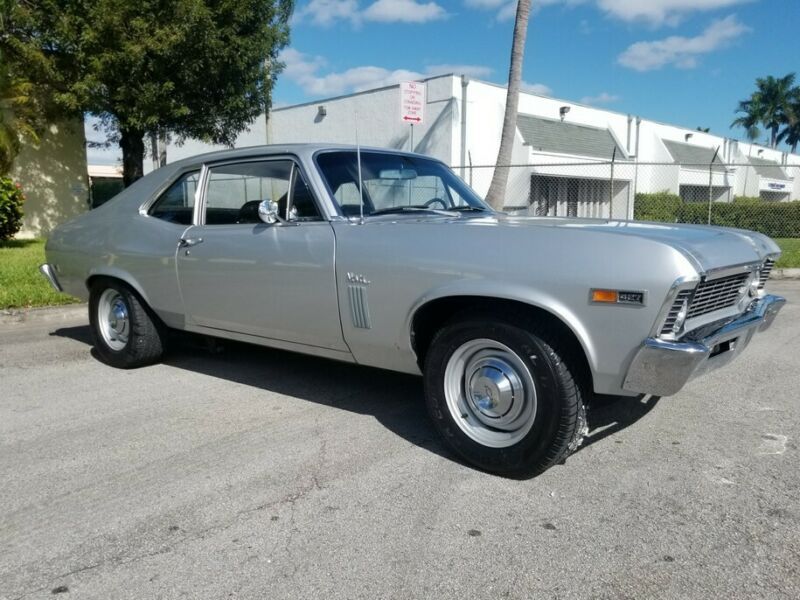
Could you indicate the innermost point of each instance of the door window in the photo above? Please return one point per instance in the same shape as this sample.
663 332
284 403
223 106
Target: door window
176 205
234 192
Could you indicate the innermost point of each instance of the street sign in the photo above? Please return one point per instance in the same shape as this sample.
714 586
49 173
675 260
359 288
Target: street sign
412 102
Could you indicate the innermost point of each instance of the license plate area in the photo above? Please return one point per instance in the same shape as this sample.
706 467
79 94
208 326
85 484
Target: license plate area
723 347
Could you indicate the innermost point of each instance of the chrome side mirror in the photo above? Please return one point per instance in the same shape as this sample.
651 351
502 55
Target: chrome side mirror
268 212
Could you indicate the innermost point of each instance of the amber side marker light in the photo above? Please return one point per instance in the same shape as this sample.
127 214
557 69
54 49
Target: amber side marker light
604 296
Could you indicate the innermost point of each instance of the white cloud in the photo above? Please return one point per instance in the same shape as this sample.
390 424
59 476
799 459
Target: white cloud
539 89
601 98
404 11
327 12
658 12
654 12
680 51
304 70
485 4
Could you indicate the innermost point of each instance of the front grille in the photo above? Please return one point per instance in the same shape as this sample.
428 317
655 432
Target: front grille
717 294
766 269
675 309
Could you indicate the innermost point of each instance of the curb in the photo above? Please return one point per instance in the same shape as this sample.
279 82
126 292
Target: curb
48 313
785 274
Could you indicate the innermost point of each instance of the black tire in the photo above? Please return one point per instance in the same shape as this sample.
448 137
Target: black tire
559 424
144 343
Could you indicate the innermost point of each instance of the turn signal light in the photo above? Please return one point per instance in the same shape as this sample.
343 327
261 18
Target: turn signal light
604 296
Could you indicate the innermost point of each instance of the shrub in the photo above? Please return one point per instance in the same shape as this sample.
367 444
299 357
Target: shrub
661 206
775 219
11 199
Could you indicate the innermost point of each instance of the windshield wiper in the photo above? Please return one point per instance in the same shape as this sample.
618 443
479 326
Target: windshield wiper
468 209
402 209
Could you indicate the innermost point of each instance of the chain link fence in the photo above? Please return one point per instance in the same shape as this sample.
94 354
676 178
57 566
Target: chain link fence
764 198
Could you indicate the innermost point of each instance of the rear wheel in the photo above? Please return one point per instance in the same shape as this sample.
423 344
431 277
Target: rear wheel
502 394
124 333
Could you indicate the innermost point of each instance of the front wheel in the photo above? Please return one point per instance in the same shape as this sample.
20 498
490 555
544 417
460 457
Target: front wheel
502 395
124 333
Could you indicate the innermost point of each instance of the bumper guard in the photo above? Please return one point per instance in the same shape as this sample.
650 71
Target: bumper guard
662 367
50 274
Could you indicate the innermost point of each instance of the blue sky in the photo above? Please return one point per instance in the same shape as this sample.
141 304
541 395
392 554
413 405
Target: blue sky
685 62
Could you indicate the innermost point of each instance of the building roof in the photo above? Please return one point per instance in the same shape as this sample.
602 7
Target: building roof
694 156
550 135
105 171
768 168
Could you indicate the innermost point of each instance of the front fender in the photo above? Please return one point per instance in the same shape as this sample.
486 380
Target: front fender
513 292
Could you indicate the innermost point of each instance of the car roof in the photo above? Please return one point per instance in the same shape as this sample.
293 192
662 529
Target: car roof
154 182
303 150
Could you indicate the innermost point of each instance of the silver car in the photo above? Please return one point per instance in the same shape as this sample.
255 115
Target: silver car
388 259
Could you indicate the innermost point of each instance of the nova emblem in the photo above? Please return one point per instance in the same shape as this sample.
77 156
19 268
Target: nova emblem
357 278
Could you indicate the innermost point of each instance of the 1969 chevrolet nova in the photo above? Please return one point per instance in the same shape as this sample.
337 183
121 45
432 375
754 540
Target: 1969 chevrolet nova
388 259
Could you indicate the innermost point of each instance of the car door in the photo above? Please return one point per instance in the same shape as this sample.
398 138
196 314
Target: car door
274 281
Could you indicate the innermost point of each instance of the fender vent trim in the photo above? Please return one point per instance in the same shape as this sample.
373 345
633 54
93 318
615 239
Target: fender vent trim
359 306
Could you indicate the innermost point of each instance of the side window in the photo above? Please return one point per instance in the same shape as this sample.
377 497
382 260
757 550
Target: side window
176 205
235 191
303 207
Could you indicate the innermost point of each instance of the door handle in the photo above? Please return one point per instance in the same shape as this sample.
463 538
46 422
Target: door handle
187 242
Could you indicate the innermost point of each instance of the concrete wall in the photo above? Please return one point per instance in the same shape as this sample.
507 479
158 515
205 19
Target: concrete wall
255 135
376 114
54 178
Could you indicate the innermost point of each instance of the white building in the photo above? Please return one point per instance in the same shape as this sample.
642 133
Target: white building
564 149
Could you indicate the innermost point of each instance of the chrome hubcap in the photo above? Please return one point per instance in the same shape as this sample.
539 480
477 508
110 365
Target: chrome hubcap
490 393
113 319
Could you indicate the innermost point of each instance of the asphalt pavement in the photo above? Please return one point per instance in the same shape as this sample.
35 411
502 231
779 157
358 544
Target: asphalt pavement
243 472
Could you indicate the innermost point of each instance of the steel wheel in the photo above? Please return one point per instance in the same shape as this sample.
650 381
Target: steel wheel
113 318
490 393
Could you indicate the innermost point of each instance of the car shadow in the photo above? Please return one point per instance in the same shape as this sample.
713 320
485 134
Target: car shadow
607 415
394 399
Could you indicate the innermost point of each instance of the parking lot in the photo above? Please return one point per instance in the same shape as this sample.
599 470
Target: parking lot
251 473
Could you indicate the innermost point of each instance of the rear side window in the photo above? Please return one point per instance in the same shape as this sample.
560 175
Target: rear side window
176 205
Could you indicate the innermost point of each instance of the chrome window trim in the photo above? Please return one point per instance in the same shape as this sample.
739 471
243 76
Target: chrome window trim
296 166
144 207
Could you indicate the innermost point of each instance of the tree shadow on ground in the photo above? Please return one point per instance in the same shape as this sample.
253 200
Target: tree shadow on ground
394 399
18 243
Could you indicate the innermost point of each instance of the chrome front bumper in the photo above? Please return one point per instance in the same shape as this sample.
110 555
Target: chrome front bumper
662 367
50 274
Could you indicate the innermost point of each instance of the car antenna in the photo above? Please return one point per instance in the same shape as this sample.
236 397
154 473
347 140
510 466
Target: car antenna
360 181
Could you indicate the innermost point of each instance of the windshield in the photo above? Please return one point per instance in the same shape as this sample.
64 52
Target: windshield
394 183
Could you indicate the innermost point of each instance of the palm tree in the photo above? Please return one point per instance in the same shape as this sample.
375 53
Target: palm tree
749 120
21 113
767 105
497 190
791 132
775 95
20 117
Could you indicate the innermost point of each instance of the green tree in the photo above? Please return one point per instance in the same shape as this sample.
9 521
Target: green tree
190 68
21 108
767 106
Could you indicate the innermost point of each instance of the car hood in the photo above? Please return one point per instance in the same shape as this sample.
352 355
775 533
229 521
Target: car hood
708 248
